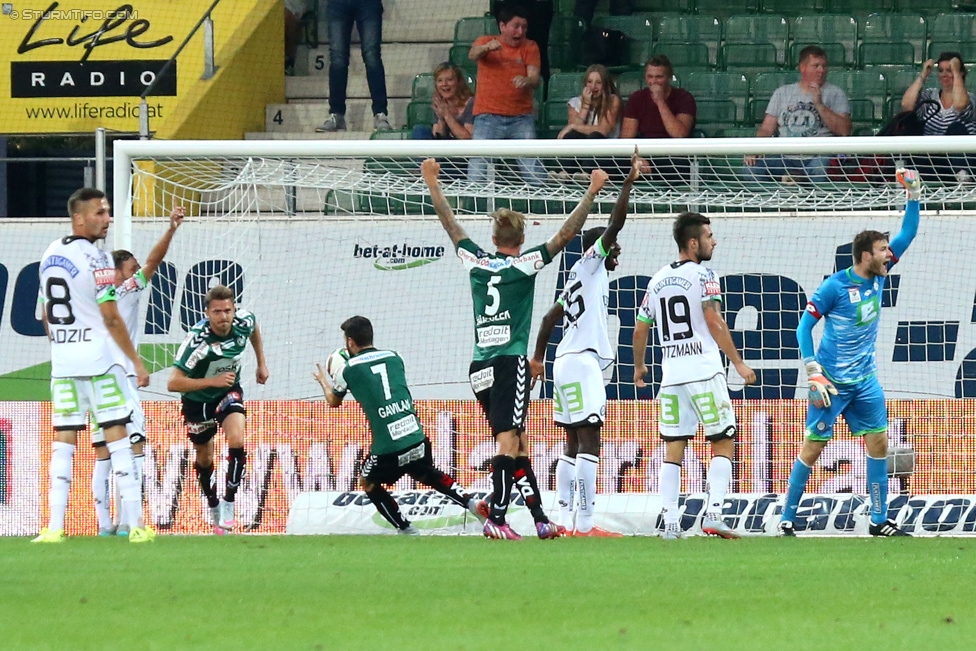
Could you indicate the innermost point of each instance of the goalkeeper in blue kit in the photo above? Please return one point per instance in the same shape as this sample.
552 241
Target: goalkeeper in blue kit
842 377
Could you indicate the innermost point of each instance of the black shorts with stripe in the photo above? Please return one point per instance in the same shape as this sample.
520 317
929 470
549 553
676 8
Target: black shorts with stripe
389 468
501 386
202 418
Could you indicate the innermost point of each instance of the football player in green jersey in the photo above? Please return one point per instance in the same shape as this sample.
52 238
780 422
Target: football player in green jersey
399 447
207 371
502 292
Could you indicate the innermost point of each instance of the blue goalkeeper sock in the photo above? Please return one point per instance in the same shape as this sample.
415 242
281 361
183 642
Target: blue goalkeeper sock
878 489
798 482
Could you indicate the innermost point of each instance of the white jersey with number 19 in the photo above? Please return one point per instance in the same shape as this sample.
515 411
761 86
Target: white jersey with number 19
674 302
76 277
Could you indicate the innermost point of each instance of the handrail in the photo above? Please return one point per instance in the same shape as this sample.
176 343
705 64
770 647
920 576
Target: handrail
209 67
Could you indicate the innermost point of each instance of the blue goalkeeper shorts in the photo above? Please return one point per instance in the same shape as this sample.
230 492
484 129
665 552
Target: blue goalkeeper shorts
862 405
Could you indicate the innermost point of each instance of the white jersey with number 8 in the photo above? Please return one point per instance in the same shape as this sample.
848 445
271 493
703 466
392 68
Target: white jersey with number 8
76 277
674 302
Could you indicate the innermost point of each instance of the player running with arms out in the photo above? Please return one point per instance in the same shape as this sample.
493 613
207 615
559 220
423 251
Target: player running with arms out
580 398
843 376
684 300
130 280
88 372
502 292
399 447
207 371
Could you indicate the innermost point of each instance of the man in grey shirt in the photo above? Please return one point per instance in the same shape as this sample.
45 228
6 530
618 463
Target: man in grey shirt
810 107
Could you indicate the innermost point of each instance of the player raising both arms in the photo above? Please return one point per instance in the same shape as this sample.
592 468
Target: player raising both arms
502 292
207 371
399 447
684 300
579 395
844 366
130 280
88 372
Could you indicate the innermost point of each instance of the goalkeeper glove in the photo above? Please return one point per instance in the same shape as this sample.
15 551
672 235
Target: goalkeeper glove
911 182
820 387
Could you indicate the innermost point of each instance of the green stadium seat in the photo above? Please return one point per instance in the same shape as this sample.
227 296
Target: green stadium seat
836 53
966 48
716 111
458 55
564 57
401 134
895 28
692 29
423 87
749 59
794 7
420 113
555 117
886 54
637 27
828 30
763 87
745 32
860 7
566 30
866 91
925 7
737 132
564 85
713 129
663 6
726 8
727 86
685 57
949 28
467 30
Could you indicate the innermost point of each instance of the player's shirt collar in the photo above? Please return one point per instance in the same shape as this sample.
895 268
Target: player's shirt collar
854 278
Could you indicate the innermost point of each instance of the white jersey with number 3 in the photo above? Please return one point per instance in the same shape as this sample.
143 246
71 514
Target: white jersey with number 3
674 302
76 277
585 299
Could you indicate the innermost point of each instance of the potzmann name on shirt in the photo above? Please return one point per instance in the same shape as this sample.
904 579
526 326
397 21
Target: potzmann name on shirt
682 350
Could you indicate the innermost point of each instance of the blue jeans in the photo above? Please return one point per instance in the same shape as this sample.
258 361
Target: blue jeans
367 15
488 126
775 167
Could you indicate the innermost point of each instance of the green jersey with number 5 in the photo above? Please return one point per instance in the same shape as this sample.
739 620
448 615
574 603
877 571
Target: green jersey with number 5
502 291
379 383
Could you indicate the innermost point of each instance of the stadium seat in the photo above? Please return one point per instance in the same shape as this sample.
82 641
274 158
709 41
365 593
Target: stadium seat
737 132
763 87
966 48
860 7
794 7
836 53
715 111
894 28
565 37
829 30
925 7
467 30
401 134
692 29
866 91
555 117
423 87
755 42
726 8
685 57
637 27
564 85
886 54
458 55
663 6
950 28
419 113
726 86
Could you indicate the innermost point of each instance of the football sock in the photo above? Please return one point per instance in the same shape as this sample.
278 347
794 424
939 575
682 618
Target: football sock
205 477
138 461
586 485
387 506
566 489
719 478
502 480
669 480
529 488
878 489
100 492
798 481
125 479
60 470
236 459
443 484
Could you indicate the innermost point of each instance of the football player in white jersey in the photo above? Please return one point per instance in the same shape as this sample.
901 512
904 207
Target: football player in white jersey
684 299
579 395
78 296
130 280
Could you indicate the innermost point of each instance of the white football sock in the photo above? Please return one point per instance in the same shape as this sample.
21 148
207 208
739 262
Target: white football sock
100 492
586 486
566 489
125 479
669 480
719 478
60 470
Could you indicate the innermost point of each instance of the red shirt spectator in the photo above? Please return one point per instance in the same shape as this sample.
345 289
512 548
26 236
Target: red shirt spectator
660 110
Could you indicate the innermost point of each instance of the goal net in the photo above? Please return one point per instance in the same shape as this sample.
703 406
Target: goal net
311 233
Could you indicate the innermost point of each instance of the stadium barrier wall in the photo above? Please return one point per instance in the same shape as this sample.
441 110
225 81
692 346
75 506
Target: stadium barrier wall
304 457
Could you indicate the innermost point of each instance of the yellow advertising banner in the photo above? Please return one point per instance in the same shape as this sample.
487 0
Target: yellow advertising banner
296 446
74 65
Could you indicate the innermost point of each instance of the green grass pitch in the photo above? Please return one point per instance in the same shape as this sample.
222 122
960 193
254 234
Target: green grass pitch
394 592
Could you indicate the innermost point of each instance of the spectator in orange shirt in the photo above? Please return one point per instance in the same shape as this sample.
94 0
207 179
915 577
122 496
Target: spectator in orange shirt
508 74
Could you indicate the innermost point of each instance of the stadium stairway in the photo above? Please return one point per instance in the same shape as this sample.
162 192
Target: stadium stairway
417 35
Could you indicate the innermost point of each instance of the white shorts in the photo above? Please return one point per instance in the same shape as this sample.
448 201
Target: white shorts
136 427
683 406
105 396
578 396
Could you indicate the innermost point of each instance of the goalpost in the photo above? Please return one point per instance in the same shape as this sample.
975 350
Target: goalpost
311 232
